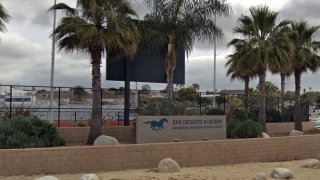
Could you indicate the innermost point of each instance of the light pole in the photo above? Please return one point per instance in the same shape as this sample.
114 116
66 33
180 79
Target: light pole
52 62
214 60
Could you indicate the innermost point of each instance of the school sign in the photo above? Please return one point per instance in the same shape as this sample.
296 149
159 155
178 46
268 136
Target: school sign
156 129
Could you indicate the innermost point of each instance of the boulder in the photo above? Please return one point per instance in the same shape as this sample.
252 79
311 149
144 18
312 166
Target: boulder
265 135
260 176
47 178
312 163
282 173
168 166
318 156
105 140
296 133
89 177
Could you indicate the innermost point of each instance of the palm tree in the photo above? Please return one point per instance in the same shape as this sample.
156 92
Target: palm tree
269 47
239 66
4 18
305 58
97 27
178 24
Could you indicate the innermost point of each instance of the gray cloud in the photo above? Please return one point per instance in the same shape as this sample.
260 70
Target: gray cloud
25 50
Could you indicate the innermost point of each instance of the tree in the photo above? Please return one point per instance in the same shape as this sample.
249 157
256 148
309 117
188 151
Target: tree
196 86
305 58
178 24
79 92
97 27
4 18
269 46
238 66
146 88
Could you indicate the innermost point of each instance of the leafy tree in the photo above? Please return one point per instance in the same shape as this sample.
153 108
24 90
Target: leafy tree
4 18
269 46
196 86
187 94
178 24
79 92
146 88
97 27
305 57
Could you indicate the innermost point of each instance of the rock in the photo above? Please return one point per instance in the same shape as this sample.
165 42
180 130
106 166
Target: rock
168 166
296 133
260 176
265 135
312 163
105 140
47 178
318 156
89 177
282 173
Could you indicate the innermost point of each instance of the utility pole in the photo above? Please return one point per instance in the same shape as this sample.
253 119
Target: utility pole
52 62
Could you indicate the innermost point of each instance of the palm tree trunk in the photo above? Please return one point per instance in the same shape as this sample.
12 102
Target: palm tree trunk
297 105
170 84
170 63
262 97
96 115
246 90
283 85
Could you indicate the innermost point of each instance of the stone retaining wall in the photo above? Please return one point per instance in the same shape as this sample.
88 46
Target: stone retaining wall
287 127
126 134
134 156
79 135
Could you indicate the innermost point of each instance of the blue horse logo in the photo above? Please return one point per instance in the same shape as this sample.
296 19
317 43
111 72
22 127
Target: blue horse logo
157 125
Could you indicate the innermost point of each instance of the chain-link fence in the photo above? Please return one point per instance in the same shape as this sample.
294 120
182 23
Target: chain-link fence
74 104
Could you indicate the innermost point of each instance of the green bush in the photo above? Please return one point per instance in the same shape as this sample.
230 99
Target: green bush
213 111
231 128
28 132
244 129
18 110
162 107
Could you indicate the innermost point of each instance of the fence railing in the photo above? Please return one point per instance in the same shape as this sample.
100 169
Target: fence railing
73 104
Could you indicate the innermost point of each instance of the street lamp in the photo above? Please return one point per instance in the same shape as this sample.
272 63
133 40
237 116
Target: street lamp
52 62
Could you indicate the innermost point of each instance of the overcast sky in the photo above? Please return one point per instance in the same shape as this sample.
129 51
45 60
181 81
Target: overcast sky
25 50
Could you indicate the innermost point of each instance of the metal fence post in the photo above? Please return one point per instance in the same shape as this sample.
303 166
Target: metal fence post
138 105
224 103
101 92
200 103
10 110
59 104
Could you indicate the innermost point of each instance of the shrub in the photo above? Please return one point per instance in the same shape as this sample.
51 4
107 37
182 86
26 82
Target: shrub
213 111
18 110
231 128
162 107
244 129
28 132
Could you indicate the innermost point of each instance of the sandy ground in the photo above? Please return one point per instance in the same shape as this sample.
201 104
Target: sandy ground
225 172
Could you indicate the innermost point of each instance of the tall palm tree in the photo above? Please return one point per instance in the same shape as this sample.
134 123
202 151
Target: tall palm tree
267 47
305 58
283 71
97 27
239 66
4 18
178 24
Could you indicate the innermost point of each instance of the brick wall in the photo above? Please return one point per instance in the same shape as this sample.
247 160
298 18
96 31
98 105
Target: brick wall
134 156
79 135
